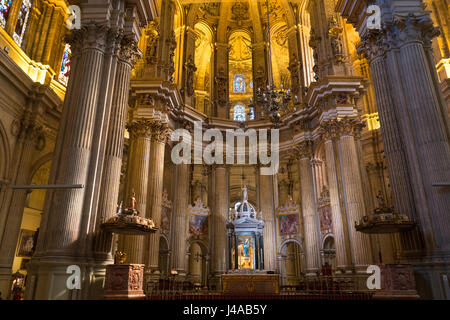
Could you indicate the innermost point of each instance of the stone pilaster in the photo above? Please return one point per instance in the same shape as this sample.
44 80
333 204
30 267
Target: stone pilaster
220 215
329 134
309 208
353 192
137 185
180 218
266 199
160 132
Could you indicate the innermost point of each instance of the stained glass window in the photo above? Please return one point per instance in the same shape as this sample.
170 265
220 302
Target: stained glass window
239 83
5 5
22 20
239 113
251 114
65 65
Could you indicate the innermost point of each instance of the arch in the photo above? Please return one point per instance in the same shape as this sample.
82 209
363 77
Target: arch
291 262
201 243
327 238
163 257
284 244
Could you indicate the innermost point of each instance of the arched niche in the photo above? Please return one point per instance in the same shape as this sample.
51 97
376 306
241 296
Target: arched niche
197 262
291 263
163 259
329 251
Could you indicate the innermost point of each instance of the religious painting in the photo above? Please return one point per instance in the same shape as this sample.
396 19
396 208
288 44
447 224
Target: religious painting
5 5
326 222
26 243
165 218
246 252
288 224
198 225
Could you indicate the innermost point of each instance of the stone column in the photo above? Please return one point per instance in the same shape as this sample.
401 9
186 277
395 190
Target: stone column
428 144
160 133
220 215
309 209
337 211
180 218
353 193
266 199
112 165
138 175
393 142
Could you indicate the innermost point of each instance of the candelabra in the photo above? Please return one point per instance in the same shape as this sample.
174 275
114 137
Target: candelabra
273 101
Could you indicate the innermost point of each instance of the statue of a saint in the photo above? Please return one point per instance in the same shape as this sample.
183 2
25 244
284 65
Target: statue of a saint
245 195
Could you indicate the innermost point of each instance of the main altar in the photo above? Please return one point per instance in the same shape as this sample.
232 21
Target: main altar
246 274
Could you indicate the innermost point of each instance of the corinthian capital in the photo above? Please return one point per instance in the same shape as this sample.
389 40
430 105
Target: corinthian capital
350 127
140 128
329 130
160 131
129 51
410 28
373 45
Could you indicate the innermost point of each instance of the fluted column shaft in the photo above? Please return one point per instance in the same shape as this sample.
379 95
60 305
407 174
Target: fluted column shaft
219 220
138 174
340 242
399 177
266 198
108 199
430 134
180 221
309 209
155 193
354 199
72 167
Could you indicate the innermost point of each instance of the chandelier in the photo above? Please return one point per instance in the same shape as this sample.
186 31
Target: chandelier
272 100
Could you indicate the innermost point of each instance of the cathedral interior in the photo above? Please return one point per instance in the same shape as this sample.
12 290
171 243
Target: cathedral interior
93 91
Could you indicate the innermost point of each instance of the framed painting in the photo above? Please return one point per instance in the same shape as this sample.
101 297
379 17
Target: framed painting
198 225
26 243
165 218
288 224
